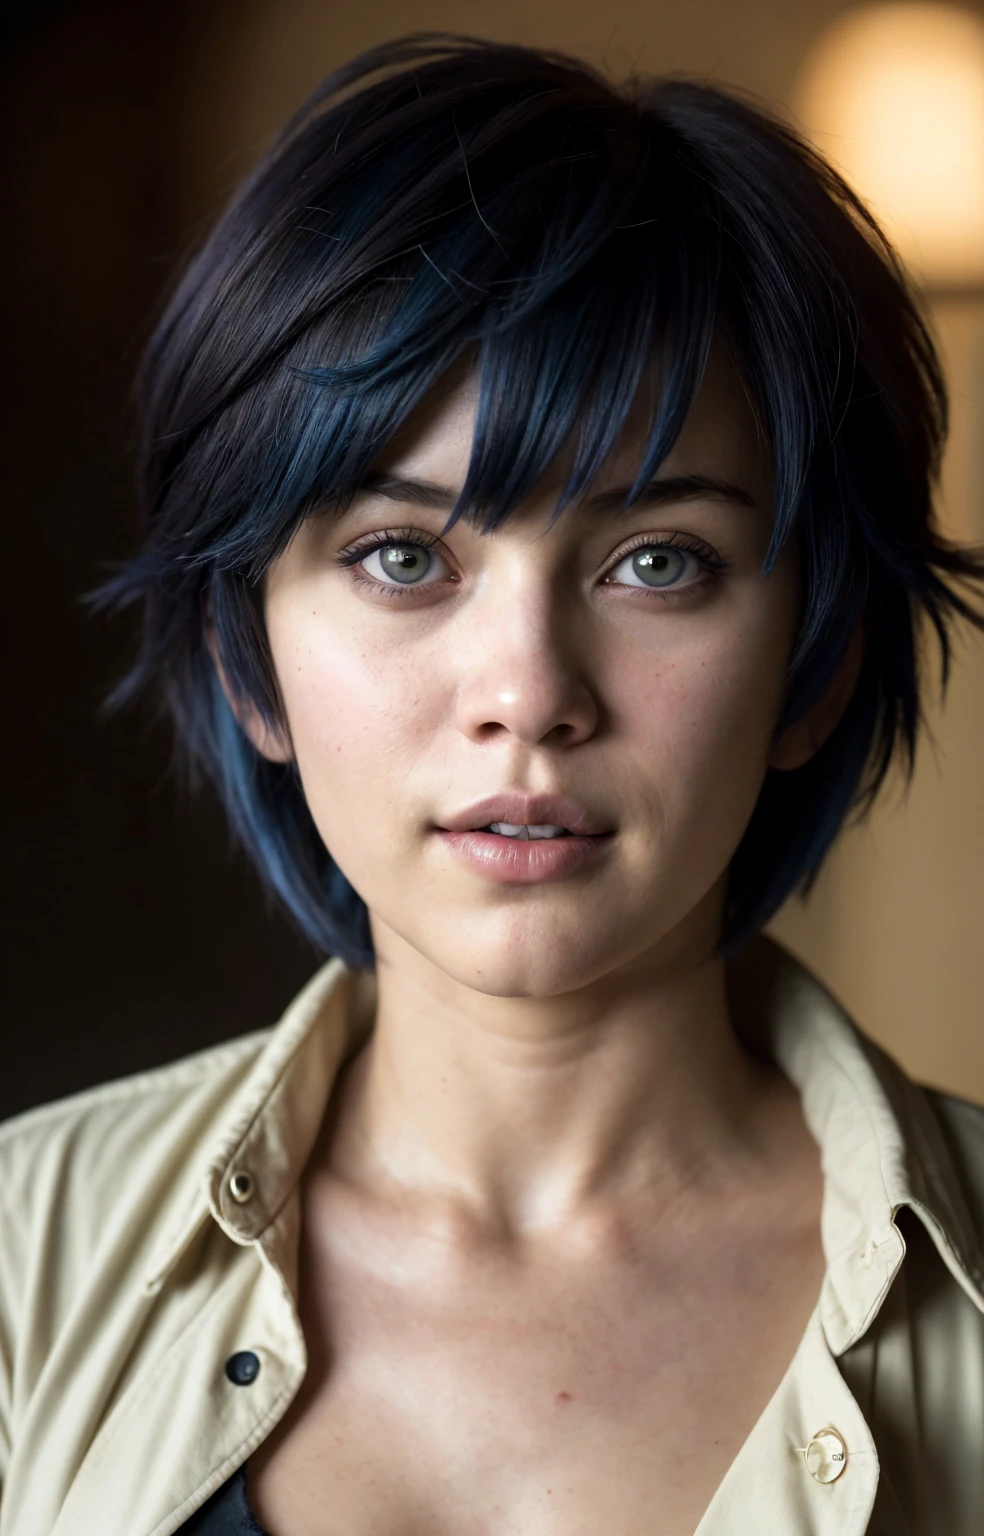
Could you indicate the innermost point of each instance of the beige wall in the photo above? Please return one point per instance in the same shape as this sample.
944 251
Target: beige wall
264 55
896 922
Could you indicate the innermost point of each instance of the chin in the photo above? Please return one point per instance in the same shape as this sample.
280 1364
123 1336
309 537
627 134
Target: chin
528 959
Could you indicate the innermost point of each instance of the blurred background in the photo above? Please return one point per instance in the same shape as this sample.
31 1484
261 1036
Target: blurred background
131 932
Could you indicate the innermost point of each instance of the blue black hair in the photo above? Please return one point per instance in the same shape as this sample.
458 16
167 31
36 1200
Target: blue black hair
441 198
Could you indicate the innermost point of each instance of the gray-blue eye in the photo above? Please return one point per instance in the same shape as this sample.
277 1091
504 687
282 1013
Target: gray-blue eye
653 565
403 563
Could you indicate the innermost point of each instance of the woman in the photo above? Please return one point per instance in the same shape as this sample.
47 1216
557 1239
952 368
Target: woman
537 486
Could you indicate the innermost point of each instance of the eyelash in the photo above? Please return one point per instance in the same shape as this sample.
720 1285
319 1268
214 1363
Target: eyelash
709 560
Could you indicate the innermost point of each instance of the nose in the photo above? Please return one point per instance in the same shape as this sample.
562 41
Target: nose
522 673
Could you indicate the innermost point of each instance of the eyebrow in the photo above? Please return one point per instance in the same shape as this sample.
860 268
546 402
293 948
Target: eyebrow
658 493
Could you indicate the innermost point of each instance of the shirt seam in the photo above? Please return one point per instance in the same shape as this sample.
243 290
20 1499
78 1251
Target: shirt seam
221 1474
155 1080
222 1158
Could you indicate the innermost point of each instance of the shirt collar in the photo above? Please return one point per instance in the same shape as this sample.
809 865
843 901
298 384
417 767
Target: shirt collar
268 1129
881 1145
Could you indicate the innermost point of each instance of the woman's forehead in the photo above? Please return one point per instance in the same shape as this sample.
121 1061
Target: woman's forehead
720 439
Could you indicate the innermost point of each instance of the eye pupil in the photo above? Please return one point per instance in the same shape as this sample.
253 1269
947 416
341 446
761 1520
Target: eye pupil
404 561
656 567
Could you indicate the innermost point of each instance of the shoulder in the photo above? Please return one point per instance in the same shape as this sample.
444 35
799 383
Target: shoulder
134 1103
962 1125
67 1166
964 1118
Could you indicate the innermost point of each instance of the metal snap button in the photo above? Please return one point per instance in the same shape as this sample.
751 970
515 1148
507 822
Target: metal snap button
826 1455
241 1187
243 1368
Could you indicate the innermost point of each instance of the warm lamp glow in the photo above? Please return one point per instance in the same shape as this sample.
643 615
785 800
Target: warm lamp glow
893 95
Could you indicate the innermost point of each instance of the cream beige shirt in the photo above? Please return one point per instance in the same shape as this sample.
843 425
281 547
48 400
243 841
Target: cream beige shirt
130 1273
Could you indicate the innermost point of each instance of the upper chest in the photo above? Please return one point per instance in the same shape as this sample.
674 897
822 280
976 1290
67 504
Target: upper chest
450 1392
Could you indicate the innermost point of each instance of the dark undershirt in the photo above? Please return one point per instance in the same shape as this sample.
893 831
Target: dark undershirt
226 1513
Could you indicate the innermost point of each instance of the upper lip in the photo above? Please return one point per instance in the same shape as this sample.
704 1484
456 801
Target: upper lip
522 810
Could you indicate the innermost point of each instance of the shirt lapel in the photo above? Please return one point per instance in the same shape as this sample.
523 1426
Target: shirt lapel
769 1488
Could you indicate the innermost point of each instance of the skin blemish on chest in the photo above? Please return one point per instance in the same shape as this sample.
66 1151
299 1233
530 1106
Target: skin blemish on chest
564 1397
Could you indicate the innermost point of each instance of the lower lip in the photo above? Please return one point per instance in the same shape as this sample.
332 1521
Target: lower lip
516 861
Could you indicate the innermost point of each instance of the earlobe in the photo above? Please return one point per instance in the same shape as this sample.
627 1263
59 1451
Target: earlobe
804 738
267 740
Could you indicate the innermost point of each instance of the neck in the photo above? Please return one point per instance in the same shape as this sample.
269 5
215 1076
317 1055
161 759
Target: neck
520 1112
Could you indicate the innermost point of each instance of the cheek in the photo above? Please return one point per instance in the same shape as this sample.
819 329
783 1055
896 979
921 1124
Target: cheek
701 719
359 716
718 699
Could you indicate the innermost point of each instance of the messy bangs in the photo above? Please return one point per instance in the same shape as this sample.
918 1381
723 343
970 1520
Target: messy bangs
443 202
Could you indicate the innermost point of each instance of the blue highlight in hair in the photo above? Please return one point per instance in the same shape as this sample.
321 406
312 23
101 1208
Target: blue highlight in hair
442 202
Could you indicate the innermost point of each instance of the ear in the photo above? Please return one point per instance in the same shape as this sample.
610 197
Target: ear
804 738
268 741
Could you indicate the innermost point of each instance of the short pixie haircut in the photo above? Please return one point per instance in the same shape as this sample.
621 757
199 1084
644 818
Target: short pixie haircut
443 198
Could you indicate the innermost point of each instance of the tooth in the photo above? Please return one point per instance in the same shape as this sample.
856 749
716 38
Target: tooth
525 834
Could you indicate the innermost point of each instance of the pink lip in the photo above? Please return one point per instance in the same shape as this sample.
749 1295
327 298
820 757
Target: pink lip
513 861
524 810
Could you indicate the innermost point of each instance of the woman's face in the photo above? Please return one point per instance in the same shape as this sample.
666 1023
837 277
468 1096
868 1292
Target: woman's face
631 662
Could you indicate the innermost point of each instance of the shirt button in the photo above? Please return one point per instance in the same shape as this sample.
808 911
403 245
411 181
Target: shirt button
243 1368
241 1187
826 1455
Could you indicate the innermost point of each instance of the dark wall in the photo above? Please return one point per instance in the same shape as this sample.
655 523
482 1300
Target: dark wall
131 932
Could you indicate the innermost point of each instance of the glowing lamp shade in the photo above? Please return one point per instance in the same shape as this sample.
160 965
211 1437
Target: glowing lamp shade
893 94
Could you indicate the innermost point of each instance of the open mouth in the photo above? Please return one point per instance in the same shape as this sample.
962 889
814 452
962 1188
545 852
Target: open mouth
524 833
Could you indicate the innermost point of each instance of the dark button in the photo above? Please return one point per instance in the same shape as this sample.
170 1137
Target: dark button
242 1369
